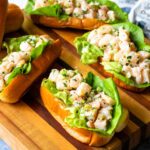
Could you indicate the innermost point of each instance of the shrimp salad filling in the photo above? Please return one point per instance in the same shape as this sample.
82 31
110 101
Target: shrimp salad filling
19 57
92 106
80 9
118 47
118 54
103 10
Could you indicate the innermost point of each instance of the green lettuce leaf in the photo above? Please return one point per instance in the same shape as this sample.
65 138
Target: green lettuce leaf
62 95
51 11
89 53
115 66
55 10
25 69
109 88
36 52
50 86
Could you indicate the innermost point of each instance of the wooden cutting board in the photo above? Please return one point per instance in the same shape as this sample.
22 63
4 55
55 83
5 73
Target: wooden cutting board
28 125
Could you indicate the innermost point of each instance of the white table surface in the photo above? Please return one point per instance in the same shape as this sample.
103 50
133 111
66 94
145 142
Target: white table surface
20 3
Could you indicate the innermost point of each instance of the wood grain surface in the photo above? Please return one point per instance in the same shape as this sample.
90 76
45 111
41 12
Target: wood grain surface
28 125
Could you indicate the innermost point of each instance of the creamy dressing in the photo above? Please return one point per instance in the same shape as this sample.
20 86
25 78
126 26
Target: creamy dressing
18 59
118 47
94 105
80 9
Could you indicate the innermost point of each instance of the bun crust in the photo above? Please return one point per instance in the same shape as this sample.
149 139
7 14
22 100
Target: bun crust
71 22
14 18
18 86
3 15
56 108
116 80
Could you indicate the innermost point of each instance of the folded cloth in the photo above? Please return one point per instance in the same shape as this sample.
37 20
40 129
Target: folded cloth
140 15
4 146
126 5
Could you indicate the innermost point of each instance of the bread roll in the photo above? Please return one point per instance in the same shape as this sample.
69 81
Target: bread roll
3 15
14 18
71 22
56 108
18 86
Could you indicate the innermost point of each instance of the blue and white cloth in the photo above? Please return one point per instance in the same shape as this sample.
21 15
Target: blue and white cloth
126 5
139 13
3 145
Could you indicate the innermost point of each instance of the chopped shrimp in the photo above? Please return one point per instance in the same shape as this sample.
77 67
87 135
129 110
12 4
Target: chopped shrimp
144 54
102 14
123 35
104 29
106 111
91 14
111 15
83 88
94 40
90 114
136 73
54 75
84 6
69 11
124 46
107 56
128 71
25 46
77 12
75 81
62 84
105 8
100 124
2 84
6 67
107 99
146 75
105 40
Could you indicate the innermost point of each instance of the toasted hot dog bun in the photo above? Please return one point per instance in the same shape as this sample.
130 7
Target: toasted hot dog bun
71 22
116 80
3 15
18 86
55 107
14 18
